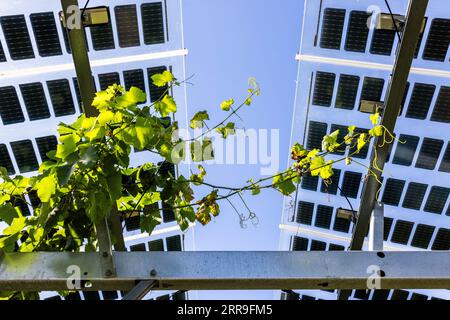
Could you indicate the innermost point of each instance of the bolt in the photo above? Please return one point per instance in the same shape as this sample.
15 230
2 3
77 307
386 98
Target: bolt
153 272
105 254
108 273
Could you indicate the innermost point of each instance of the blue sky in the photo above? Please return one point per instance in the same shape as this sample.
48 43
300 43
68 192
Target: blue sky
229 41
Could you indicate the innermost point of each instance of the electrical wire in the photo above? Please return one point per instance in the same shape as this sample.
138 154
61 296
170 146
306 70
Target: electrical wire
393 20
84 8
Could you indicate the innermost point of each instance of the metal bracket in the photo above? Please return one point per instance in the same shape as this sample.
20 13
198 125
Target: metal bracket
91 16
105 246
376 228
368 106
140 290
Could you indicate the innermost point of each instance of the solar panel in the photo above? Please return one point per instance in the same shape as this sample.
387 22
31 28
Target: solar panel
387 225
402 232
5 160
442 240
333 24
445 164
24 155
17 37
133 223
309 182
318 245
305 212
127 25
10 110
102 37
45 145
372 89
404 153
168 213
400 295
61 97
35 101
420 100
441 110
138 247
299 243
156 245
358 31
422 236
350 184
91 295
381 294
361 294
393 191
153 22
174 243
323 216
418 296
347 91
429 153
341 225
438 40
382 42
414 195
134 78
336 247
323 89
316 131
110 295
155 92
333 186
46 34
2 53
108 79
436 199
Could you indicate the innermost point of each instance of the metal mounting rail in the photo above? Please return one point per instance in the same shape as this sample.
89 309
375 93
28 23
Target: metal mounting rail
228 270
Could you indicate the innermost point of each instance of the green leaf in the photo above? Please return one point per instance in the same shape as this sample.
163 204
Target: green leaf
361 142
298 152
148 222
162 79
105 117
226 105
102 100
351 130
329 142
96 133
376 131
375 118
98 206
88 157
198 118
227 130
131 98
198 178
166 106
67 146
46 188
284 184
316 165
8 213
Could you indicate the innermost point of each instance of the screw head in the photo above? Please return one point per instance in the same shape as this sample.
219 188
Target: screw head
105 254
108 273
153 272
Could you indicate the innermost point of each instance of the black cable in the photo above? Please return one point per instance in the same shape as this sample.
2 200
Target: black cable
393 20
84 9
